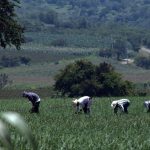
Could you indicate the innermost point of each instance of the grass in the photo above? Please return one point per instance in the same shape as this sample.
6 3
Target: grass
57 127
73 38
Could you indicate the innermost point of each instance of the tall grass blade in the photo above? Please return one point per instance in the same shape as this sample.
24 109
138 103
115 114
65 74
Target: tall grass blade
18 122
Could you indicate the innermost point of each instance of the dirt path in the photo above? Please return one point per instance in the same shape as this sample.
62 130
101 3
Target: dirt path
144 49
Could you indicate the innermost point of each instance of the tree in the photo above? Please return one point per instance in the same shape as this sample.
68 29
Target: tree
71 80
120 49
143 61
50 17
4 80
83 78
10 30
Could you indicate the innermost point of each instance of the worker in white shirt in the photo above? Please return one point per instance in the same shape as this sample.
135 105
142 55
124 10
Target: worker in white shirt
83 103
147 105
121 104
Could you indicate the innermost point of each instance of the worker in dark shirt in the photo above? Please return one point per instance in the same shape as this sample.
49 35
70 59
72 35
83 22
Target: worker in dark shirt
34 99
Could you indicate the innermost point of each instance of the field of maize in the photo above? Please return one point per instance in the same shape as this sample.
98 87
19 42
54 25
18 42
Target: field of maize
57 127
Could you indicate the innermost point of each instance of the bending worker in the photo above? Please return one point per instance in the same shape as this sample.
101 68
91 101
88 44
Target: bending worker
121 104
147 105
83 103
34 99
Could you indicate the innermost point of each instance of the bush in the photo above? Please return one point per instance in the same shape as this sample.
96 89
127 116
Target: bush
50 17
84 78
4 80
14 61
9 62
143 61
59 42
28 39
25 60
105 53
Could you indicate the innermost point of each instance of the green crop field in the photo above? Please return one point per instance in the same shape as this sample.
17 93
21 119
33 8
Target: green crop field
58 33
58 128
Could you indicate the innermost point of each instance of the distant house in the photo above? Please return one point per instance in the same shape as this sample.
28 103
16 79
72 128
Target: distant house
127 61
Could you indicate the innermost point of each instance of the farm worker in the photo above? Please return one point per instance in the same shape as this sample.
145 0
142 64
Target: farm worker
34 99
121 104
147 105
83 103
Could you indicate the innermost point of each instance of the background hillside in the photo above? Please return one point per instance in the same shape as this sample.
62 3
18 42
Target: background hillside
85 13
99 23
57 32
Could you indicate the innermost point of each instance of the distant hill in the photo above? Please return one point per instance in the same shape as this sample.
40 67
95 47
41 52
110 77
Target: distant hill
115 26
84 13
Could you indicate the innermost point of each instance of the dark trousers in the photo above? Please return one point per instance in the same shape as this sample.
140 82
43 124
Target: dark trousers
86 109
35 107
125 106
148 110
147 106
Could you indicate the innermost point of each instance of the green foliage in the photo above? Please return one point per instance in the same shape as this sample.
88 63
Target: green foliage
18 122
4 80
96 12
105 20
120 48
59 42
143 61
84 78
103 37
105 53
10 29
49 17
13 61
24 60
74 75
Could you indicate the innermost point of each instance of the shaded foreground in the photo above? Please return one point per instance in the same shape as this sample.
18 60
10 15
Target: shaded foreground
57 127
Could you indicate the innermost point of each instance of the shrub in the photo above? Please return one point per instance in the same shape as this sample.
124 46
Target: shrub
25 60
105 53
4 80
50 17
143 61
59 42
84 78
13 61
9 62
28 39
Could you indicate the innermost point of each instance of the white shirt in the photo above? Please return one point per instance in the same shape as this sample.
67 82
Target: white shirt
120 102
83 100
147 102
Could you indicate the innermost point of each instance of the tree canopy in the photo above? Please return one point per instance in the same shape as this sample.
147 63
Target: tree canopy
85 13
10 30
83 78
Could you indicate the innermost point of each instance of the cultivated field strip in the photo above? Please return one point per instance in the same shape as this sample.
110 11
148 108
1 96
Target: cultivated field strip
57 127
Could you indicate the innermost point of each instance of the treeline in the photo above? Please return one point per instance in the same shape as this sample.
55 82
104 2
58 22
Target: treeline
122 41
112 40
7 61
85 13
